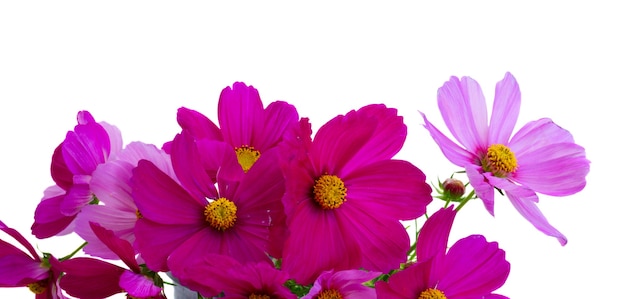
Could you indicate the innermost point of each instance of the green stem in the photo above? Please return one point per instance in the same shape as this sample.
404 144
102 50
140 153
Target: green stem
69 256
465 200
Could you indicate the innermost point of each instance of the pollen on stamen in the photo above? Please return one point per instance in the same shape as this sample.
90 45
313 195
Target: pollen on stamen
431 293
38 287
329 294
499 160
259 296
247 156
329 191
221 214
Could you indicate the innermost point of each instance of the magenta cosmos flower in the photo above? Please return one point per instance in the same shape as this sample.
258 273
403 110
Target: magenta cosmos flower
21 269
197 217
471 268
74 160
213 274
541 157
345 195
345 284
90 278
117 211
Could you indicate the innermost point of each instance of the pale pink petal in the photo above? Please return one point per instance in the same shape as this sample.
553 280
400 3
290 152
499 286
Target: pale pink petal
482 187
506 107
531 212
464 110
537 134
451 150
138 285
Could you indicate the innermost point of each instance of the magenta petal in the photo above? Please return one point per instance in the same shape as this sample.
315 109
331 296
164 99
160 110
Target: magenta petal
138 285
394 188
451 150
120 221
48 218
279 118
196 172
197 124
61 175
122 248
77 197
20 270
89 278
531 212
406 284
506 106
464 110
433 237
86 147
240 113
473 268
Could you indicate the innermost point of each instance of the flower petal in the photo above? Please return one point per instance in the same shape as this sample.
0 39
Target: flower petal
279 117
453 152
90 278
138 285
197 124
506 106
464 110
240 113
538 134
433 236
531 212
482 187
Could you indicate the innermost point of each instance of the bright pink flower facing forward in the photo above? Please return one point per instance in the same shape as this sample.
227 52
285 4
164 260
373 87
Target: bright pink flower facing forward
541 157
74 160
471 268
345 196
21 269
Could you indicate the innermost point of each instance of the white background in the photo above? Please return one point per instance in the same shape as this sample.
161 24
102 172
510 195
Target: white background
133 63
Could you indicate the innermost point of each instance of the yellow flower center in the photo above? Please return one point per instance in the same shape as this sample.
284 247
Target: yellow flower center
247 156
500 160
138 214
329 294
257 296
432 294
329 191
221 214
38 287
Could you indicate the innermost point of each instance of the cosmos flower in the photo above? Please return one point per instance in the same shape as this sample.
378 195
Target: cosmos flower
214 274
345 195
117 211
197 217
541 157
74 160
28 269
471 268
90 278
345 284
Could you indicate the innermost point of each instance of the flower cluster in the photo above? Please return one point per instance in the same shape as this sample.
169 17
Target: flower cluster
258 206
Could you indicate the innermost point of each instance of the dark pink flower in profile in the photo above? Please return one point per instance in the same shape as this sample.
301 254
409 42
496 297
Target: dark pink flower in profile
28 269
471 268
196 216
117 211
345 195
541 157
345 284
214 274
90 278
74 160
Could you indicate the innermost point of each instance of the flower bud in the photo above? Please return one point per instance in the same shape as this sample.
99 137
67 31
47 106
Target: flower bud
453 188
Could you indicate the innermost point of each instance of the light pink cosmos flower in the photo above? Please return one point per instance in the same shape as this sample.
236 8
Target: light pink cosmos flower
214 274
111 185
541 157
74 160
345 195
21 269
345 284
471 268
90 278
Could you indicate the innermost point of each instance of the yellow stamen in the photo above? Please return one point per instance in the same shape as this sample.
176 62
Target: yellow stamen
500 160
138 214
221 214
432 294
247 156
329 294
38 287
329 191
257 296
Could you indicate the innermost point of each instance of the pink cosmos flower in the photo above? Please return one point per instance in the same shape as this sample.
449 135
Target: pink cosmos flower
213 274
90 278
21 269
541 157
471 268
345 195
73 162
345 284
198 217
117 211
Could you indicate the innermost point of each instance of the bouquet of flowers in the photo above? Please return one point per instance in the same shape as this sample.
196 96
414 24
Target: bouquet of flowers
258 206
